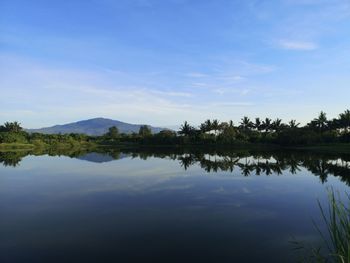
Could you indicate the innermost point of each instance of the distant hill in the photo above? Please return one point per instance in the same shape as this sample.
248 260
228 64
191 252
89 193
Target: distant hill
97 126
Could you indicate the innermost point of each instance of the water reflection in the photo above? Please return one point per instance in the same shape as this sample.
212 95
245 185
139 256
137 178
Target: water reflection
247 162
205 206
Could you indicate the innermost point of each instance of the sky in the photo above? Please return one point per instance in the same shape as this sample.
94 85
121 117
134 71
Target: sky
162 62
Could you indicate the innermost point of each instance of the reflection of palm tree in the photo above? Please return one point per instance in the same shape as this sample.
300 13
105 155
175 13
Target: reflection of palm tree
246 170
293 166
257 170
266 168
322 168
277 168
186 161
230 163
318 167
260 162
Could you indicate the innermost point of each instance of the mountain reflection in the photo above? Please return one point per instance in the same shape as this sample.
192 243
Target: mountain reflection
246 162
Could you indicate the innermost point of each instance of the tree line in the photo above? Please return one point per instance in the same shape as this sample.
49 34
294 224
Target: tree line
319 130
210 132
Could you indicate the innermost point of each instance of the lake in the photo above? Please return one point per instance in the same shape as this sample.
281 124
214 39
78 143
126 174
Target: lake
163 205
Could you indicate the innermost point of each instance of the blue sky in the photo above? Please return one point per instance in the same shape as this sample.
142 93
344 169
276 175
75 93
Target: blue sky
165 61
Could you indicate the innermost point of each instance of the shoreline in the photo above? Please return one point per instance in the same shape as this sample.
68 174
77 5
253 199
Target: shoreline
341 148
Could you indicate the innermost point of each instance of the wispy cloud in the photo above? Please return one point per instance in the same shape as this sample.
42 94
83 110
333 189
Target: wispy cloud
297 45
232 104
196 75
172 93
232 78
94 94
239 91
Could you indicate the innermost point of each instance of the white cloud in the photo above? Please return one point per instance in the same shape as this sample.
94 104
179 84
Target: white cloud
297 45
196 75
49 95
226 90
232 104
172 93
232 78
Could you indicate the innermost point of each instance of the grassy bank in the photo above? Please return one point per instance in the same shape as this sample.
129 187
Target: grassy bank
341 148
16 146
59 146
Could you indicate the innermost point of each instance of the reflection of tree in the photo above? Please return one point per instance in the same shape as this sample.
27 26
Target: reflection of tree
214 160
187 160
11 158
293 166
245 167
271 163
318 167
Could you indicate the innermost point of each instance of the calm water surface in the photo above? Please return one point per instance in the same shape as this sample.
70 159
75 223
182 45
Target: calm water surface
164 207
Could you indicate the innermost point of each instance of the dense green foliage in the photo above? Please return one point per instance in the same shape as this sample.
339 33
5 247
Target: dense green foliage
319 130
13 133
211 132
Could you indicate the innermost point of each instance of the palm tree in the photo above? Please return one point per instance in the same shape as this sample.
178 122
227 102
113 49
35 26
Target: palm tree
246 124
186 129
277 125
334 124
13 126
206 126
266 124
223 126
293 124
321 121
257 124
203 128
344 119
230 124
215 126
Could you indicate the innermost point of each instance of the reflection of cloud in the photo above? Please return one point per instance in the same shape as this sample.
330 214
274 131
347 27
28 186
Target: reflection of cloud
172 187
246 190
219 190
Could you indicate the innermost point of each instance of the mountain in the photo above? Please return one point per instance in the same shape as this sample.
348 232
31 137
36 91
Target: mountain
97 126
